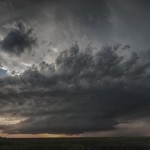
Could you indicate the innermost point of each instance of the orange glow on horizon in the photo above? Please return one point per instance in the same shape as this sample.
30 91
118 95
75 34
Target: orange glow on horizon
36 135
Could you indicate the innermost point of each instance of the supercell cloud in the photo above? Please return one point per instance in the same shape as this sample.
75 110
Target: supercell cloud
64 71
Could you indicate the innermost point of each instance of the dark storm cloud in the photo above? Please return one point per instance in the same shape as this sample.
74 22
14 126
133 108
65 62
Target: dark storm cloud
84 89
69 16
19 38
131 22
102 21
92 8
81 92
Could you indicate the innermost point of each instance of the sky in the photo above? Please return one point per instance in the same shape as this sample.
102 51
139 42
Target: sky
74 68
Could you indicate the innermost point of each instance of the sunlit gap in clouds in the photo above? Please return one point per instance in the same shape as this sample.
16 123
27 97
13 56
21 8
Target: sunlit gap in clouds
3 73
8 120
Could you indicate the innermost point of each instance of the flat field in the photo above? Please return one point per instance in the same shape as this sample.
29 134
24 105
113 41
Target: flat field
119 143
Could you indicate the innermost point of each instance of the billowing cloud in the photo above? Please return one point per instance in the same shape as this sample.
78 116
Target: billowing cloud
19 38
83 91
89 87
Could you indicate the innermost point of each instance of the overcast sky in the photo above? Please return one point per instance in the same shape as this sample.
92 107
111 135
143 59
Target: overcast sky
74 68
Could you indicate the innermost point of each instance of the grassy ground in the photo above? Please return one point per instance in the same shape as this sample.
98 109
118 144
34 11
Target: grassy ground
76 144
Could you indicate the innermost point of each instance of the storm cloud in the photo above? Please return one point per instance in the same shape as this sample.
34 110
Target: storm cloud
81 92
64 71
18 39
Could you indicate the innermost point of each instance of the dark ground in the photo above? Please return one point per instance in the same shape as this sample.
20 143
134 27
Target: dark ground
76 144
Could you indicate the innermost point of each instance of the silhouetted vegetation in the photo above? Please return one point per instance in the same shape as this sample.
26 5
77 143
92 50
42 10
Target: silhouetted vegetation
76 144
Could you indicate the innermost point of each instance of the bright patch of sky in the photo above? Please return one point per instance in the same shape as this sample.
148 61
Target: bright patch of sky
3 73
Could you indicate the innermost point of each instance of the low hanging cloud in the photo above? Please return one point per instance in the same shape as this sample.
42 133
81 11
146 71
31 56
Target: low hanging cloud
19 38
83 91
